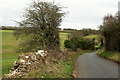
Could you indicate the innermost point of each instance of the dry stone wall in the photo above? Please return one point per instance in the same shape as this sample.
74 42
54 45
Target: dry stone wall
26 63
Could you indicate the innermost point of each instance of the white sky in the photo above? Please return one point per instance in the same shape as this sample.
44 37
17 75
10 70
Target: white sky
82 13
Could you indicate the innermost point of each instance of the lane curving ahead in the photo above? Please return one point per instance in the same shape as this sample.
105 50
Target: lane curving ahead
89 65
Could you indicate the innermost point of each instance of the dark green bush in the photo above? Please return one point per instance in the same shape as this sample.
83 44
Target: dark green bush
81 43
70 44
67 43
84 44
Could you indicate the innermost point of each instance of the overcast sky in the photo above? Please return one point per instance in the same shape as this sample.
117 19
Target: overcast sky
82 13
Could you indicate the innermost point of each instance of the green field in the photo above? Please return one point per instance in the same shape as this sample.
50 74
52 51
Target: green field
63 36
93 36
9 45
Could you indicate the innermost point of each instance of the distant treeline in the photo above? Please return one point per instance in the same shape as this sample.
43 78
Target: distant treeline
89 31
84 32
9 28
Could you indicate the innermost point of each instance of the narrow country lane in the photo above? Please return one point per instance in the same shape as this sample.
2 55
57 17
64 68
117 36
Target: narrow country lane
89 65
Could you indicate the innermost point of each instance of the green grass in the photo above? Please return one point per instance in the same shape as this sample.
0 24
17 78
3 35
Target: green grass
7 64
93 36
64 68
64 71
110 55
6 30
97 37
9 45
68 66
63 37
9 55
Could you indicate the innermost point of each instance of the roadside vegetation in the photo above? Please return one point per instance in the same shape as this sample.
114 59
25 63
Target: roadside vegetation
9 46
79 40
110 55
59 68
39 31
110 29
9 55
63 37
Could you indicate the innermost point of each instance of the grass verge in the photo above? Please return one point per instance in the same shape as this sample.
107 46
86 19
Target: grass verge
58 69
114 56
9 45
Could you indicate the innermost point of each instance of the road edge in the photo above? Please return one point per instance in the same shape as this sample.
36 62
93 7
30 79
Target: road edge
108 59
74 66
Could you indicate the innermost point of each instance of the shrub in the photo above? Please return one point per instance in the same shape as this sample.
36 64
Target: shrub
88 44
111 31
81 43
84 44
67 43
76 41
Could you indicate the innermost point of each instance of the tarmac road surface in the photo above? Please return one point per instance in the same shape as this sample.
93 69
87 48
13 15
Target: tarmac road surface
89 65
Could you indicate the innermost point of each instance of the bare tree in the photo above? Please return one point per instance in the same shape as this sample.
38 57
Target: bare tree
110 30
40 27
